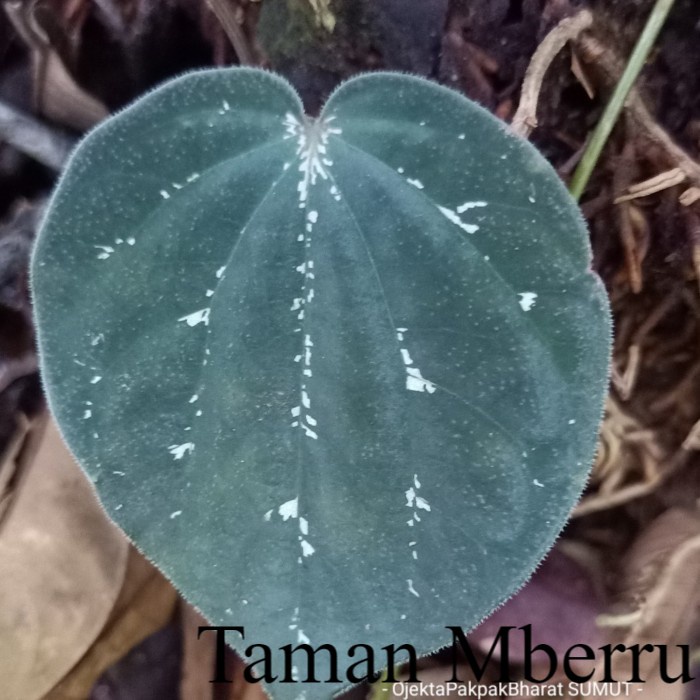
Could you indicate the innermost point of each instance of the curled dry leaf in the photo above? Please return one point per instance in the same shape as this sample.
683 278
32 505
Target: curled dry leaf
659 598
662 558
57 95
63 564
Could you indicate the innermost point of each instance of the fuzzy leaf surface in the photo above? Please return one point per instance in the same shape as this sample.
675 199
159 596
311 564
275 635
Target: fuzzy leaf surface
339 378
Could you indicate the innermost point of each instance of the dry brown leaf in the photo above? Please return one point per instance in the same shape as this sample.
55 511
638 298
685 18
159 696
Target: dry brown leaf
63 563
661 594
61 99
56 93
145 604
656 545
666 564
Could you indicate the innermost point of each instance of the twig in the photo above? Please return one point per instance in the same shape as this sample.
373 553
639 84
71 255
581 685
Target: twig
651 129
617 100
581 75
693 223
645 125
46 145
227 17
625 381
525 119
658 183
690 196
692 440
632 225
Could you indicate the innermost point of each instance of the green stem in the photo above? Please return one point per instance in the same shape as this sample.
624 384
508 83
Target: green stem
614 107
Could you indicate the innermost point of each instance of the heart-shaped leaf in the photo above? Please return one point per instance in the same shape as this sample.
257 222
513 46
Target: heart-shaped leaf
354 365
